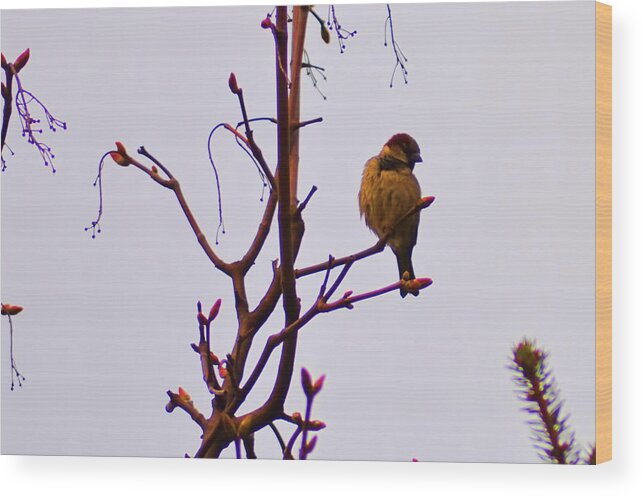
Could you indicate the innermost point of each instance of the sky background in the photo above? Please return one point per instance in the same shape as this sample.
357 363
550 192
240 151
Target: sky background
500 98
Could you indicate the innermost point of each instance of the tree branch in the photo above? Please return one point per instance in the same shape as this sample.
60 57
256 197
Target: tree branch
186 405
321 306
376 248
249 138
173 184
288 282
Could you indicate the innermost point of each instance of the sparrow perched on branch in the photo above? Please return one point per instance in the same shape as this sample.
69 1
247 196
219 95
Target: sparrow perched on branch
388 191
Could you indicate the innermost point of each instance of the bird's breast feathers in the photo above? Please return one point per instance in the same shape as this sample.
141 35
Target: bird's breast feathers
386 194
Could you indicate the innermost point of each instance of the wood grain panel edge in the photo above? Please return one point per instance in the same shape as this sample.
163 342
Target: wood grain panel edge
603 232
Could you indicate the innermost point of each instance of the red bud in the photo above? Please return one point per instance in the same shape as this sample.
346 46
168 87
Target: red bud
347 294
214 311
121 148
266 23
119 159
426 201
296 417
214 359
11 309
232 83
183 394
201 319
154 170
414 460
319 383
21 61
4 62
316 425
223 372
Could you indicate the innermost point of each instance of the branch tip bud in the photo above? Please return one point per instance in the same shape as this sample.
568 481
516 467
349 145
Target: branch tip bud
21 61
232 83
11 309
307 382
183 394
214 311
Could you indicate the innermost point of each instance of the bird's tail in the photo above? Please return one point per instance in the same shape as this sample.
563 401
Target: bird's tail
404 264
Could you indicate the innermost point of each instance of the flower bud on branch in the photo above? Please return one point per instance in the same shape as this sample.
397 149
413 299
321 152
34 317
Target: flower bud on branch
120 156
21 61
11 309
183 395
232 83
214 311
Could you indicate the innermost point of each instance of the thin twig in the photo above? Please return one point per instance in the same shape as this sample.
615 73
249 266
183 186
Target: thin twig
400 58
280 439
309 122
302 205
291 444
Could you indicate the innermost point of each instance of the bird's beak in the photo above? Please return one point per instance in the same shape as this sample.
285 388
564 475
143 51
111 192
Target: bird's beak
417 158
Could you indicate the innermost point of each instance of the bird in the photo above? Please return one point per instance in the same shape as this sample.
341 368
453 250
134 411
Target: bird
388 190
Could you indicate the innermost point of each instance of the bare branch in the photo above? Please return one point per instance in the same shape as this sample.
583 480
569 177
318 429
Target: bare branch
308 122
174 185
376 248
187 406
249 140
303 204
321 306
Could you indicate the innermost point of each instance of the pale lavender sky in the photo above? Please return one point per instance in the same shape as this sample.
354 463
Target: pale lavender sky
501 100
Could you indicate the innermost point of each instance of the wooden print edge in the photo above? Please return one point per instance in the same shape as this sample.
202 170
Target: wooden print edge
603 232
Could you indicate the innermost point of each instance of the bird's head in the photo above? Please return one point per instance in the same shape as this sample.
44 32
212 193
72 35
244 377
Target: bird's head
403 147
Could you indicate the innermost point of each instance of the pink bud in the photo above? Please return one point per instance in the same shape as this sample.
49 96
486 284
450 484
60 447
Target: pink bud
21 61
266 23
307 382
319 383
214 311
223 372
414 460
